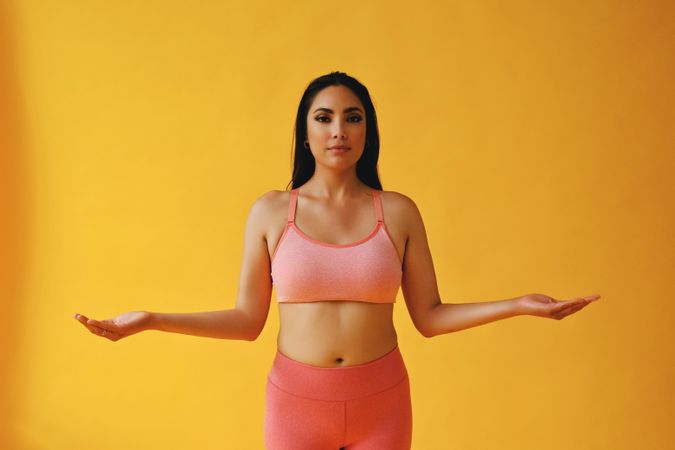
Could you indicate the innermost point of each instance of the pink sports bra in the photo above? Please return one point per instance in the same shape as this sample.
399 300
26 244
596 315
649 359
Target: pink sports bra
307 270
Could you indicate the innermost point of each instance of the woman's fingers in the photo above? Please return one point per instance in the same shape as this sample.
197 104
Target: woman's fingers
566 308
110 334
544 306
83 320
562 306
574 304
570 309
104 329
105 324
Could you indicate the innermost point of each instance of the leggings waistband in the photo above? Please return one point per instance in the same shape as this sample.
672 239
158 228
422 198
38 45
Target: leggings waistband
338 383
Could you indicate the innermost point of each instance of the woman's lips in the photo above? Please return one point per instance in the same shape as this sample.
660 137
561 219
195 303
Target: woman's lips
339 150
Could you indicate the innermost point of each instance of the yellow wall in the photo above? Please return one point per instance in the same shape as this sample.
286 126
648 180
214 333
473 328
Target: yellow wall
537 139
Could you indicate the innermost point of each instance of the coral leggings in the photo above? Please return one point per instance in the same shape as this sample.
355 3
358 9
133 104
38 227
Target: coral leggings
361 407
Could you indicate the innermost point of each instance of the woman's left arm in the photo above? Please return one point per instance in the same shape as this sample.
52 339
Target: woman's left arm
449 317
432 317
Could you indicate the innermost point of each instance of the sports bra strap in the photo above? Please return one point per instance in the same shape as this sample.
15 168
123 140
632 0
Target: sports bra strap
377 200
292 205
378 205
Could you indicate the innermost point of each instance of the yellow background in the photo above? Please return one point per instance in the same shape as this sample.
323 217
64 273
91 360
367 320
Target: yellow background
536 138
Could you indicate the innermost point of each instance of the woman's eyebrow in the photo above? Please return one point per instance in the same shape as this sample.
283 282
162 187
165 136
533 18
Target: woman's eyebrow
330 111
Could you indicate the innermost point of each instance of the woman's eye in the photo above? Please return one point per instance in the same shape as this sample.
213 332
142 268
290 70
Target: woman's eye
358 118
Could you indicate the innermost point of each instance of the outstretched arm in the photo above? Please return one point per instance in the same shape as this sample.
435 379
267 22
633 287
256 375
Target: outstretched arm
243 322
449 317
432 317
224 324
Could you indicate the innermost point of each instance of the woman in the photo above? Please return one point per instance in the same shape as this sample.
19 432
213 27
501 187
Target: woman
337 248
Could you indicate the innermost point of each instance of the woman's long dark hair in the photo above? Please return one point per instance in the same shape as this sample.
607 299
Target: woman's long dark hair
303 160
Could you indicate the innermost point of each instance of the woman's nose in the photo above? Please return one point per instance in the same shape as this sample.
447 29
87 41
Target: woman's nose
339 132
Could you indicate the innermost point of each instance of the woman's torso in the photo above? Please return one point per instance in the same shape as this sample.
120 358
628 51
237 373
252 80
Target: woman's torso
335 333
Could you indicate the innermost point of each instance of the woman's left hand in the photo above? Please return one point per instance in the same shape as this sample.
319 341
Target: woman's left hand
544 306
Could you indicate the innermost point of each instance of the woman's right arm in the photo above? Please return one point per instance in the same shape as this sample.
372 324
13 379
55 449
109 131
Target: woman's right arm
244 322
225 324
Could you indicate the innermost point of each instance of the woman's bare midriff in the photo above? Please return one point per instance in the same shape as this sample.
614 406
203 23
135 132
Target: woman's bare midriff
336 333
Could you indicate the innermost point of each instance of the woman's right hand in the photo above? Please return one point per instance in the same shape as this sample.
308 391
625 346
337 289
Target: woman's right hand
118 327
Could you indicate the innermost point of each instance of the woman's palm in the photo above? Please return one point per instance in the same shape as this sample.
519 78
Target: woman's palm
544 306
118 327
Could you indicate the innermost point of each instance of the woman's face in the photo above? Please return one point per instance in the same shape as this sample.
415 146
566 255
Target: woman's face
336 117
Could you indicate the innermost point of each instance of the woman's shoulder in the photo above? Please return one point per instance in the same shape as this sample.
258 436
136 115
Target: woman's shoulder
268 211
397 200
271 201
